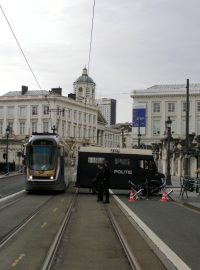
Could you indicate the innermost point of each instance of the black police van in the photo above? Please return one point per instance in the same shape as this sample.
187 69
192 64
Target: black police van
126 165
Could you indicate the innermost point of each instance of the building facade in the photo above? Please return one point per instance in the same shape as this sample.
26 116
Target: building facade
74 118
159 102
108 109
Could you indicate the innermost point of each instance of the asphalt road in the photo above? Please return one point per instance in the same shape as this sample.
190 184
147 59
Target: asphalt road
174 224
12 184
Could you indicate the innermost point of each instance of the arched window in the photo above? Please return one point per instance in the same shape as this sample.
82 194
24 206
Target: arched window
80 91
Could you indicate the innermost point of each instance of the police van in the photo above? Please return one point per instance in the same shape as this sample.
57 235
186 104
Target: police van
126 165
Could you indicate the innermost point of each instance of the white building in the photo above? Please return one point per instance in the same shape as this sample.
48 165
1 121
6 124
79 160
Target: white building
161 101
74 118
152 107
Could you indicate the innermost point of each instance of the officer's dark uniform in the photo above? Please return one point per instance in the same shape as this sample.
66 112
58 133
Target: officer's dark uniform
100 179
106 181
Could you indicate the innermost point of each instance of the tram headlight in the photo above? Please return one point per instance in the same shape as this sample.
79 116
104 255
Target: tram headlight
30 177
51 177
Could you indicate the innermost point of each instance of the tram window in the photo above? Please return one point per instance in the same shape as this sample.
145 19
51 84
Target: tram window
95 160
122 161
42 157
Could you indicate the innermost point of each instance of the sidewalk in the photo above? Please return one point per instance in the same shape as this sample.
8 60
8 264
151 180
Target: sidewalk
193 199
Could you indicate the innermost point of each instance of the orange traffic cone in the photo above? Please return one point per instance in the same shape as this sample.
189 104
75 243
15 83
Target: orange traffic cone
164 197
131 198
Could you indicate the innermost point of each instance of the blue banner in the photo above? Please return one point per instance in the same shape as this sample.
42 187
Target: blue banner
139 117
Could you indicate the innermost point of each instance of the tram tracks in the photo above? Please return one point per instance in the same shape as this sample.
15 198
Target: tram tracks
130 255
8 236
134 243
81 221
49 260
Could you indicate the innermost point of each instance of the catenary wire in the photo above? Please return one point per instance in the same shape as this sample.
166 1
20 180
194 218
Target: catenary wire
20 48
91 35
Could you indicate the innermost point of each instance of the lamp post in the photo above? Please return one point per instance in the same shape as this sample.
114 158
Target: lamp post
139 134
123 137
169 136
7 135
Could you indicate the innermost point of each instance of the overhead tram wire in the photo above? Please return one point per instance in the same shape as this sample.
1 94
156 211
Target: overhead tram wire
20 48
91 35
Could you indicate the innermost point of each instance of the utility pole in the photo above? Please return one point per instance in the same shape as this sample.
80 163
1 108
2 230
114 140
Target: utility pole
169 138
139 134
187 131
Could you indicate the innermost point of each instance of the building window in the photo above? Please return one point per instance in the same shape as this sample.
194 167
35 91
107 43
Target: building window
34 127
1 127
87 91
156 107
198 127
94 133
74 130
184 106
80 116
10 111
1 111
183 126
80 91
84 132
45 126
63 112
69 113
156 127
90 118
58 110
34 110
90 133
10 124
198 106
46 110
171 107
75 116
22 128
79 132
94 119
63 128
22 111
69 129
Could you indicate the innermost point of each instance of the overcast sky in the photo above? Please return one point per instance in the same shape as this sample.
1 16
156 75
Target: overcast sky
136 44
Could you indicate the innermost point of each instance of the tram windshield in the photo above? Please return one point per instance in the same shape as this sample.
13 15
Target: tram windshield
42 158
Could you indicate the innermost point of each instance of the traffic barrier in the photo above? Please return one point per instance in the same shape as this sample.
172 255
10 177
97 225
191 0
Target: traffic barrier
131 198
164 197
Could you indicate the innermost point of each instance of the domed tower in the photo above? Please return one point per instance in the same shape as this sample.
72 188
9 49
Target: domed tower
84 88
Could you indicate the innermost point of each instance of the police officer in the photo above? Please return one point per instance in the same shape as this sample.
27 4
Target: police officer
100 179
106 181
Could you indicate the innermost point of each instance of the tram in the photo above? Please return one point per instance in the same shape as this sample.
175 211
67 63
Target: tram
47 168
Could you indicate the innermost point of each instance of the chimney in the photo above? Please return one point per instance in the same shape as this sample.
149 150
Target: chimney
24 90
72 96
56 91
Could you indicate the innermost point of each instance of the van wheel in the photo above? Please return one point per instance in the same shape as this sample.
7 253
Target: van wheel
94 187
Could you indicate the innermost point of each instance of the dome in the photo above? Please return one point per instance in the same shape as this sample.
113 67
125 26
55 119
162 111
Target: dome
84 78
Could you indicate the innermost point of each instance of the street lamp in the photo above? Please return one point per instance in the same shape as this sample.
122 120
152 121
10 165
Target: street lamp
7 135
139 134
169 136
123 137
